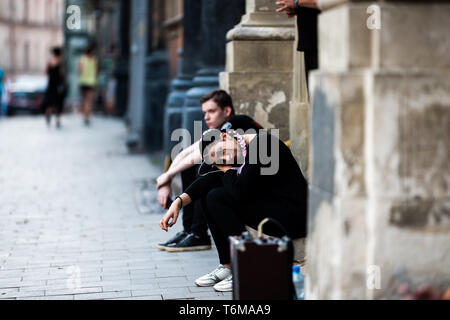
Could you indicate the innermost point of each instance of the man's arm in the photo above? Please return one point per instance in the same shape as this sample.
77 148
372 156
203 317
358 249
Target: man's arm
308 3
183 154
184 163
291 7
287 5
184 160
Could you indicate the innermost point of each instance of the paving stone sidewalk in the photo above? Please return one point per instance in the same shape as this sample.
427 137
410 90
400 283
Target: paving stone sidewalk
70 225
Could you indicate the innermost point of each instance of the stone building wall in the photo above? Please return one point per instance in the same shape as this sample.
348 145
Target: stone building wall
173 33
380 110
259 67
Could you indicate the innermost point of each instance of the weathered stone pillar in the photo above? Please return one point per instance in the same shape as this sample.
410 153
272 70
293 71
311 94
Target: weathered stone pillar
187 68
380 103
156 88
217 17
259 69
299 114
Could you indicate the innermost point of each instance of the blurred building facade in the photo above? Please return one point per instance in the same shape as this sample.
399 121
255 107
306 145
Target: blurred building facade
99 24
28 31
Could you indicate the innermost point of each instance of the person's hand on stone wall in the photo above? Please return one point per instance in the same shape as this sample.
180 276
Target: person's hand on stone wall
287 6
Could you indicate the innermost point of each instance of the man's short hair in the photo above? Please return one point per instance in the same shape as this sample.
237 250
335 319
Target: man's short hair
221 98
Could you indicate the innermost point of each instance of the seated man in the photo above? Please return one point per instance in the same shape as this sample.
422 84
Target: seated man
241 188
218 110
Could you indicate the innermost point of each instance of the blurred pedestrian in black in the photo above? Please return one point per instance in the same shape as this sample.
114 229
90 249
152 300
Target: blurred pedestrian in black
56 89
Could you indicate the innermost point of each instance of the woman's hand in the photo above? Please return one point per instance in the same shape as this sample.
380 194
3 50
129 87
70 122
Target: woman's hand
163 194
285 5
163 179
171 215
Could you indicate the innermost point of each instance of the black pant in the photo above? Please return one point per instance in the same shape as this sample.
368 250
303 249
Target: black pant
311 63
193 218
226 217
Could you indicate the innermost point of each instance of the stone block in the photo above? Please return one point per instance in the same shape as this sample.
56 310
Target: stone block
299 116
260 6
322 280
257 56
337 132
408 136
407 35
344 39
336 247
353 251
263 96
406 247
299 134
402 41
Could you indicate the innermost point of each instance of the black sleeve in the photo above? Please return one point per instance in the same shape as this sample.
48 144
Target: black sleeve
249 181
203 185
239 186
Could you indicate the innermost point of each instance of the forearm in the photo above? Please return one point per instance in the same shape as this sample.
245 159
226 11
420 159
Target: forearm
185 163
183 154
186 200
308 3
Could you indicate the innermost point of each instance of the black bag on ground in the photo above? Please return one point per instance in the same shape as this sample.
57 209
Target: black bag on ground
262 267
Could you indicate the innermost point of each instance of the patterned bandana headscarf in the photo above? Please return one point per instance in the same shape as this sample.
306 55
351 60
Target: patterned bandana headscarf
232 134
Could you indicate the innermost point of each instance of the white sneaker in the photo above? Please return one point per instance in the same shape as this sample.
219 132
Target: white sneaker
225 285
215 276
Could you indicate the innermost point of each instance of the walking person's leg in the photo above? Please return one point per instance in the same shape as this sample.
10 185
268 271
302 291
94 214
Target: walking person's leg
59 110
48 114
88 105
4 109
83 100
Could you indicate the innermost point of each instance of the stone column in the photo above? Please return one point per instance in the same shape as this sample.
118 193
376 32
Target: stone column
259 67
156 88
379 201
217 18
139 15
299 113
189 58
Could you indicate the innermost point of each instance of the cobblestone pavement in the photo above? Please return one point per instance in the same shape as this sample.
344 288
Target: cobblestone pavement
70 228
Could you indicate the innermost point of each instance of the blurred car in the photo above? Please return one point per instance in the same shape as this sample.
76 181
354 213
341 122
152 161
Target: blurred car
27 94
